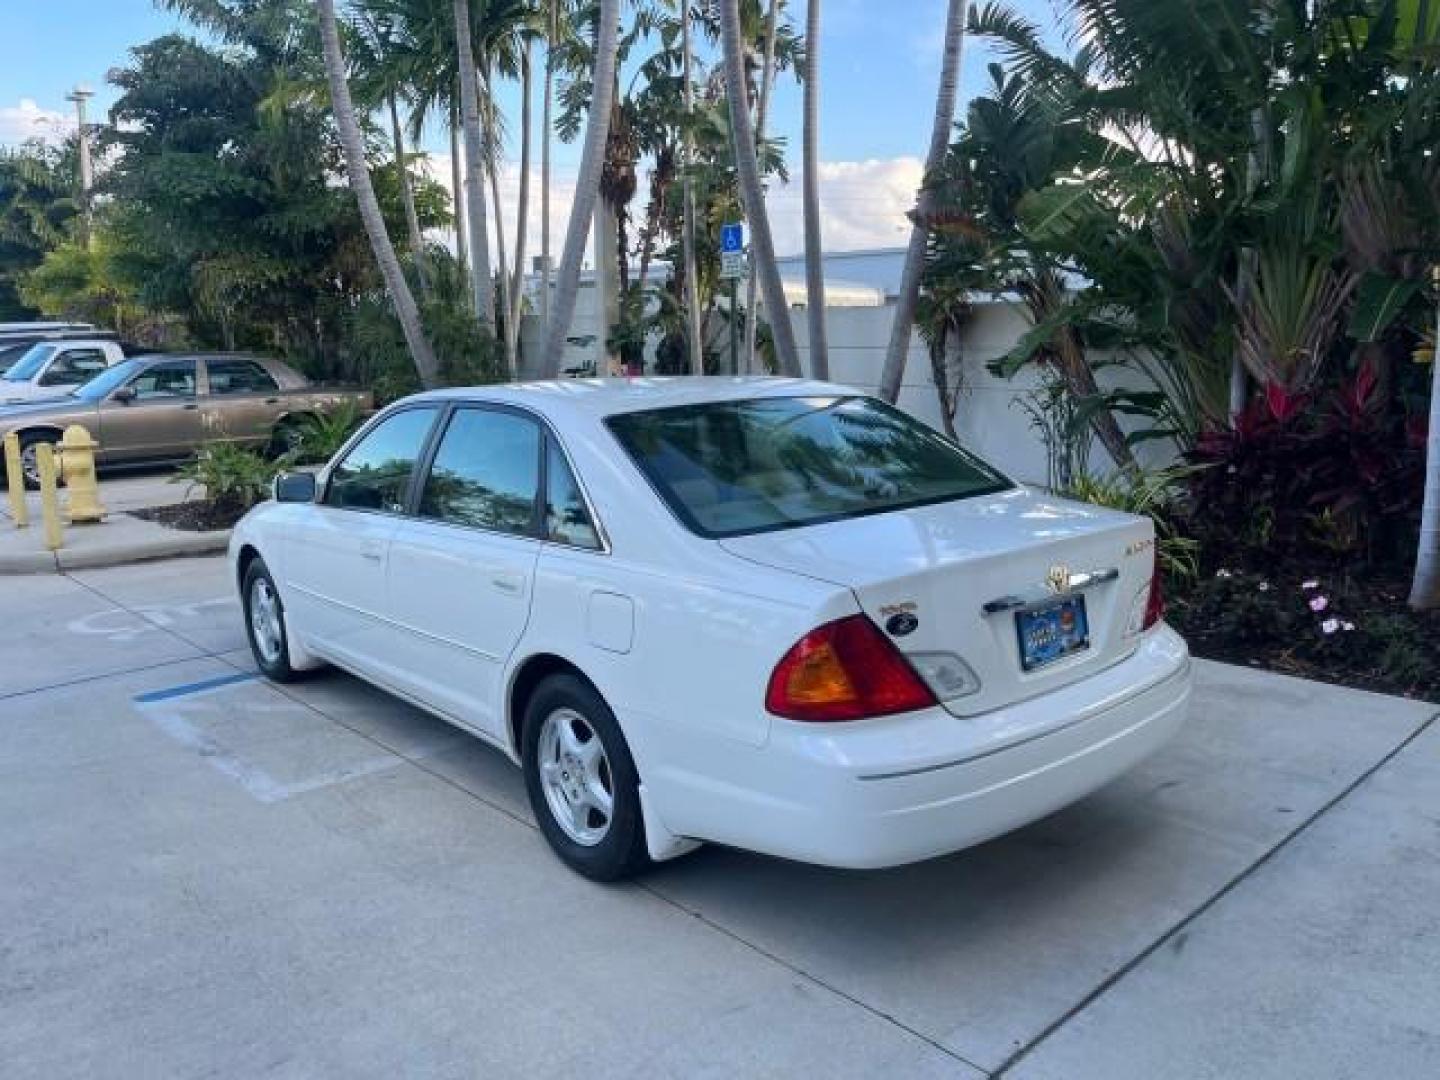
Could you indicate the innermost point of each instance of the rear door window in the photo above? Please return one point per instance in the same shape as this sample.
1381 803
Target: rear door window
486 473
239 377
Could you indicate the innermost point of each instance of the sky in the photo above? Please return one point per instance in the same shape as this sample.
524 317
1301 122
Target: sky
880 72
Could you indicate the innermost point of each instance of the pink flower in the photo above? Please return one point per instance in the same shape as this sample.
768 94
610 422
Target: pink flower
1319 604
1329 626
1309 585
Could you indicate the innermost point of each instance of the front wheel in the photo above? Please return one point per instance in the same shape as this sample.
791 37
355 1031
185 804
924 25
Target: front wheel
582 781
265 623
30 459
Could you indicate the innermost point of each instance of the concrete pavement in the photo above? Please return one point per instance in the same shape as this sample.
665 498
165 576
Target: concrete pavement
207 874
118 540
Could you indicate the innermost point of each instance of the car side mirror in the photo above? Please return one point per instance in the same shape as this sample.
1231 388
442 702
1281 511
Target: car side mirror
295 487
125 395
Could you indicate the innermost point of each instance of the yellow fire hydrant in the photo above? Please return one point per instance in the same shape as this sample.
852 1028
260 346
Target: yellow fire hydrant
77 466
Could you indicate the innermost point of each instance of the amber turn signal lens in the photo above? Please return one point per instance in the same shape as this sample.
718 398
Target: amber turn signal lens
845 670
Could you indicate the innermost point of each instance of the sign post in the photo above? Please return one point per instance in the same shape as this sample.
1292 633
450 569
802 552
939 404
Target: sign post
732 269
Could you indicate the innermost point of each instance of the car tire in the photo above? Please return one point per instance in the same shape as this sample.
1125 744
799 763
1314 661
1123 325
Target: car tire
286 438
583 787
28 443
265 623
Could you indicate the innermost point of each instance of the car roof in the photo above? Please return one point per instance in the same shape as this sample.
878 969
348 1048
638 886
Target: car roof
609 397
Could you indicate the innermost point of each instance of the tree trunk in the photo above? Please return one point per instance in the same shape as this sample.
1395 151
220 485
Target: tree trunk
457 191
407 195
1425 590
502 255
587 188
752 193
899 349
522 213
762 114
814 249
352 143
691 298
480 278
548 119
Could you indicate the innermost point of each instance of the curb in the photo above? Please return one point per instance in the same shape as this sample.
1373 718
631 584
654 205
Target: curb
176 545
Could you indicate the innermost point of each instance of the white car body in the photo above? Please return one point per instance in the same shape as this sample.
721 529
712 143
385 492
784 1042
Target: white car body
62 366
680 634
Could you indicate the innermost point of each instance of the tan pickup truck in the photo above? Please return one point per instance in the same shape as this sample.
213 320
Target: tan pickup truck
162 408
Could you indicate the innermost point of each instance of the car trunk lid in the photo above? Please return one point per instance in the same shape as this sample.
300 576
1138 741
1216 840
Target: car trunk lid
964 571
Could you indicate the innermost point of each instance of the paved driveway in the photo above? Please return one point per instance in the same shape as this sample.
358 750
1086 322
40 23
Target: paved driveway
202 874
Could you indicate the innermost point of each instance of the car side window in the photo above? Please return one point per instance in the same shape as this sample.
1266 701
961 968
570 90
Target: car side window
486 473
171 379
375 474
74 367
239 377
567 518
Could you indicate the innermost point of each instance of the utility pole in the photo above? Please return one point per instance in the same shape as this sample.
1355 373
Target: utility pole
79 96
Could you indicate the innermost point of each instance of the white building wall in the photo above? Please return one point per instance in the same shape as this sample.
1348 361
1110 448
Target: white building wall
989 420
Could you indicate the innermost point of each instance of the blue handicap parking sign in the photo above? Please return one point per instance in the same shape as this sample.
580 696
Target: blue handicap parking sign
732 237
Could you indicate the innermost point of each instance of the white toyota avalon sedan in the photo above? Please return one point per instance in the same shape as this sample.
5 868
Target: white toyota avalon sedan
767 613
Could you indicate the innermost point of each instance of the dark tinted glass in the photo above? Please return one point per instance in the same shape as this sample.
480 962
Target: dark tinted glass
239 377
174 378
567 518
486 472
73 367
375 474
737 467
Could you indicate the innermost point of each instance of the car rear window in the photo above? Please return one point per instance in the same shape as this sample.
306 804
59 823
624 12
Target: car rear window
733 468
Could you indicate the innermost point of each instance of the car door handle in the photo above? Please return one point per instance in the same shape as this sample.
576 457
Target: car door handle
191 407
272 401
510 584
372 551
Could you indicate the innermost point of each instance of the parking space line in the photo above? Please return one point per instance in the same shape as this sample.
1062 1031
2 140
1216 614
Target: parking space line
187 689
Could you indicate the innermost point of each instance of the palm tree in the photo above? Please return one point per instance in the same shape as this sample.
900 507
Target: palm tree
814 251
762 114
352 143
587 186
691 298
381 70
522 212
752 192
1425 588
547 121
899 349
481 281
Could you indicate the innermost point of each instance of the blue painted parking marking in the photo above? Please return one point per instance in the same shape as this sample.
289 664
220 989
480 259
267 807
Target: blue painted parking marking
186 689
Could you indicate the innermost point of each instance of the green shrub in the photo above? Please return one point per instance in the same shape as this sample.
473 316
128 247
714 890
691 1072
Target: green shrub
320 436
234 478
1155 495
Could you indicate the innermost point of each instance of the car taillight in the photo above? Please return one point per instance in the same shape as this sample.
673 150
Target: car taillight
1155 605
845 670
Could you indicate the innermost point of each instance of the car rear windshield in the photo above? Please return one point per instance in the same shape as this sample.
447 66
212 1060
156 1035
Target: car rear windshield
737 467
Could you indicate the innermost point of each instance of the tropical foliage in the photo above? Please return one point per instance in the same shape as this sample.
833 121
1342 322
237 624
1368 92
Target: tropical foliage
1237 202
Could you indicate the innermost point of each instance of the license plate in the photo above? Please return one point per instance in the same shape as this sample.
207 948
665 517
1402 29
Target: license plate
1052 632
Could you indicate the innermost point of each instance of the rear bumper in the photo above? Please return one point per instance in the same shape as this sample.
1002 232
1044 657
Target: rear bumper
902 789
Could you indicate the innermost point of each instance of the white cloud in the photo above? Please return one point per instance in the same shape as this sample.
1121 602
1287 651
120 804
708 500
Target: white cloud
28 120
862 204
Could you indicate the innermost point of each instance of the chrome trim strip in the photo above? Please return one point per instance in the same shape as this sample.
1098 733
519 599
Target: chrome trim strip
1036 599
